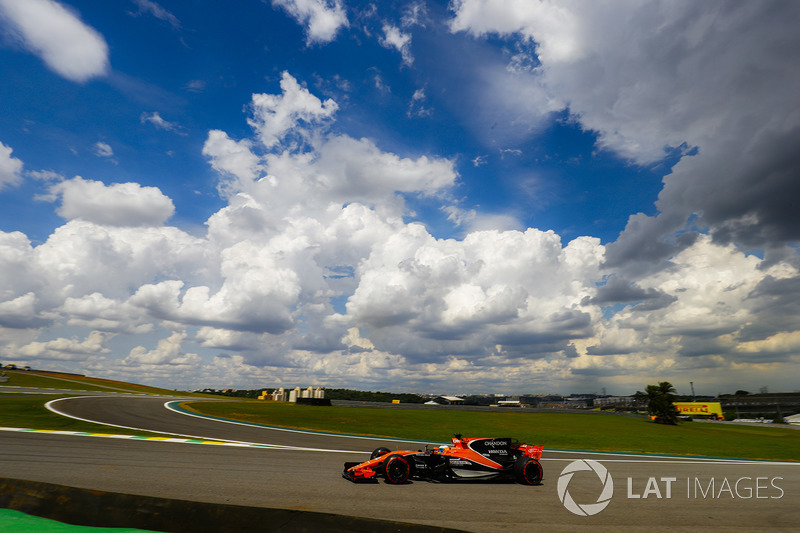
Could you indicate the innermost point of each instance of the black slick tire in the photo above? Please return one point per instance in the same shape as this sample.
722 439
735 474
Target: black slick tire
377 452
396 469
528 471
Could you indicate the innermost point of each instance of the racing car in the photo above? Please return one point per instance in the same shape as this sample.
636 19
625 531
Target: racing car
462 459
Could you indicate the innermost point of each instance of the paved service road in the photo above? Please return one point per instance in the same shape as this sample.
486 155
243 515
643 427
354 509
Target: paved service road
665 494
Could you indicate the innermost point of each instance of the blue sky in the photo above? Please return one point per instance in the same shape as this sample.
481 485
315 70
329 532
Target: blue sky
427 196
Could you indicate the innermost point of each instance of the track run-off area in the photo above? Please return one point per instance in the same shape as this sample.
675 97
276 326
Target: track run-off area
211 460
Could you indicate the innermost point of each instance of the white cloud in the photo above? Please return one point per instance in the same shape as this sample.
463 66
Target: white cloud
273 116
257 295
81 258
322 19
58 36
233 158
459 216
310 274
18 264
167 352
330 168
45 175
508 288
359 170
95 311
156 120
720 312
619 67
415 14
394 38
417 108
64 349
102 149
196 86
10 168
668 77
19 312
555 26
118 204
156 10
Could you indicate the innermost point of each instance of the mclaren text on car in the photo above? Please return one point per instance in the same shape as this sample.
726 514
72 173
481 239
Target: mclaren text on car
463 459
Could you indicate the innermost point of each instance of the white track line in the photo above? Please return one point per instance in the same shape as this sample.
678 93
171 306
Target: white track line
51 407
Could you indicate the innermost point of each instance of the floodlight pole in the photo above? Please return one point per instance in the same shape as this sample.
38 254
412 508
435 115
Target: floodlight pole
691 383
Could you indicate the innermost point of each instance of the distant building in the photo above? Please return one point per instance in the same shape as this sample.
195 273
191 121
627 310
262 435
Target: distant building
449 400
297 393
614 401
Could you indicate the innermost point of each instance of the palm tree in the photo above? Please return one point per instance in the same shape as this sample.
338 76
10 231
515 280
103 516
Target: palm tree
660 403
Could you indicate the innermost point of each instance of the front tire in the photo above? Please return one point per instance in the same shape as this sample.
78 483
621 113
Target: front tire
396 469
528 471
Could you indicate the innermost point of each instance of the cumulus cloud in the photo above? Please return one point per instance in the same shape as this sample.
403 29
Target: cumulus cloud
19 312
118 204
298 222
711 82
97 312
322 19
63 349
10 168
277 173
312 271
275 115
510 291
167 352
555 27
714 304
58 36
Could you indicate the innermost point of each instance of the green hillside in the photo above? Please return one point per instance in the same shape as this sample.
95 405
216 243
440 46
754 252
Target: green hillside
55 380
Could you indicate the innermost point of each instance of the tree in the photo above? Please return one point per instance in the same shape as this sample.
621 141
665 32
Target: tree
660 404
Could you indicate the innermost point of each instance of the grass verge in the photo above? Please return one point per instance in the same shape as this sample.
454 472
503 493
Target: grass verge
552 430
51 380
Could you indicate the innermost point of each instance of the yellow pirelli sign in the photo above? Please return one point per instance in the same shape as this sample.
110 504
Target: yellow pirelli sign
699 408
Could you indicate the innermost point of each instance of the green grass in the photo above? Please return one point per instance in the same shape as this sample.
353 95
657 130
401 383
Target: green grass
21 378
28 411
552 430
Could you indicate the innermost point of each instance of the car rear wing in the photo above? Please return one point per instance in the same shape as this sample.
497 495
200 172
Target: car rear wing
529 450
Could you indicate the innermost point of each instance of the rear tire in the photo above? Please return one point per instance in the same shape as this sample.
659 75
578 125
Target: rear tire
528 471
377 452
396 469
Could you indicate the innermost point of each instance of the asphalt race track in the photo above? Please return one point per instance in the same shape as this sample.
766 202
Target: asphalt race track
304 472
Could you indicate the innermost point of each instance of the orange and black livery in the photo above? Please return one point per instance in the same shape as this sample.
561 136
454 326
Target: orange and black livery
463 459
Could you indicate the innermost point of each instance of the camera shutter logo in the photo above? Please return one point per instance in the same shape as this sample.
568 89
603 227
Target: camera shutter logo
587 509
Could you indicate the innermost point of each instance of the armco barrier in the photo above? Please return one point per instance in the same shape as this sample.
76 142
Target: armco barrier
108 509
